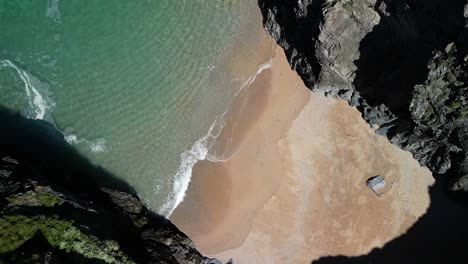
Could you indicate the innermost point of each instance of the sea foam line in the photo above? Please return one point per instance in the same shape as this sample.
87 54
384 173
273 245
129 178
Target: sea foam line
199 151
40 105
53 10
96 146
38 102
246 84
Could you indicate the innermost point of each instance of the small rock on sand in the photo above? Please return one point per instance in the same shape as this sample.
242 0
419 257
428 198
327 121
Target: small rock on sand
376 183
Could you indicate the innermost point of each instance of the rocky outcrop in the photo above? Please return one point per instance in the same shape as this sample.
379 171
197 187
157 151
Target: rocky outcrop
55 207
402 63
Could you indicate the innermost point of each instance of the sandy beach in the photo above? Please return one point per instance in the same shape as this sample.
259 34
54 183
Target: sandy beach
293 186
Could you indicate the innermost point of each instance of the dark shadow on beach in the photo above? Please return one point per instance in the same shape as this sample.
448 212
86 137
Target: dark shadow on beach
394 58
439 236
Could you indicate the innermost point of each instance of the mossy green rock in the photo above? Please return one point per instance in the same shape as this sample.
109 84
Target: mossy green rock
41 196
17 229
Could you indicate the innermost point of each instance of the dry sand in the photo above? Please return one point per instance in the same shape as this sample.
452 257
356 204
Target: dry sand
293 188
219 205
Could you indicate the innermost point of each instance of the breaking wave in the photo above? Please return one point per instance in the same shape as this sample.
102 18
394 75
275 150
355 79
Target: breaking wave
95 146
39 103
199 151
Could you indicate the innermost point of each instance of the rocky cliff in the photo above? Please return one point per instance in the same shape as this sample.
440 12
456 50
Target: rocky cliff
58 208
402 63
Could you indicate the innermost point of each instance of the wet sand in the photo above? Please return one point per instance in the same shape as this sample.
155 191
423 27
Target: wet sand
292 188
224 196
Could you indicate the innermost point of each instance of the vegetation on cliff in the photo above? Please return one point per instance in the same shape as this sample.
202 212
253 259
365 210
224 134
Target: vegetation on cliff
56 207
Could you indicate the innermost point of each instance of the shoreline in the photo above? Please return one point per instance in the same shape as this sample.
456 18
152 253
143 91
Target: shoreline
255 123
293 189
245 58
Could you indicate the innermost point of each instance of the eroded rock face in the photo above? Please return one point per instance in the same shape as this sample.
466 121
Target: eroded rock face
402 63
52 210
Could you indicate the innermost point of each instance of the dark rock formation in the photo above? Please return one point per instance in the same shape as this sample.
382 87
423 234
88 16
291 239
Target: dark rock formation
58 208
402 63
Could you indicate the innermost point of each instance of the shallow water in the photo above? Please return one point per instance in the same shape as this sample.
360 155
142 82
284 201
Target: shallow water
132 84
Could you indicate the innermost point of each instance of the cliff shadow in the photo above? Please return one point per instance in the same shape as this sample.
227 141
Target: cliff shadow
39 142
395 55
304 30
44 158
439 236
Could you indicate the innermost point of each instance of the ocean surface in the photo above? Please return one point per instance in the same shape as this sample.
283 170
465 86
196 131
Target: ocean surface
138 87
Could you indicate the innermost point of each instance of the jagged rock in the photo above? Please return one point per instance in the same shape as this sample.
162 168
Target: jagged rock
100 224
460 184
124 200
401 63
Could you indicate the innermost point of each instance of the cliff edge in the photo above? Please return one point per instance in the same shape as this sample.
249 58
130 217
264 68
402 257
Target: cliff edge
56 207
402 63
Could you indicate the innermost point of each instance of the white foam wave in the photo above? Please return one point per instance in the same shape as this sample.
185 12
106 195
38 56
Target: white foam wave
222 120
95 146
199 151
99 145
39 103
53 10
183 175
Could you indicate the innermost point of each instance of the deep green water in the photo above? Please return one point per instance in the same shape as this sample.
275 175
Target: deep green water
132 84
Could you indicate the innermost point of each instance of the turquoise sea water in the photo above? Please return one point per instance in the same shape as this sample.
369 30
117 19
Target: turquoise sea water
134 85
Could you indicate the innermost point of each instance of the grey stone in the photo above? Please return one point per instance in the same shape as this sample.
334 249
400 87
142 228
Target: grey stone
376 183
460 184
126 201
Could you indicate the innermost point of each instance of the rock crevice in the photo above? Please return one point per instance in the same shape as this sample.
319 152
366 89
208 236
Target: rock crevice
402 63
